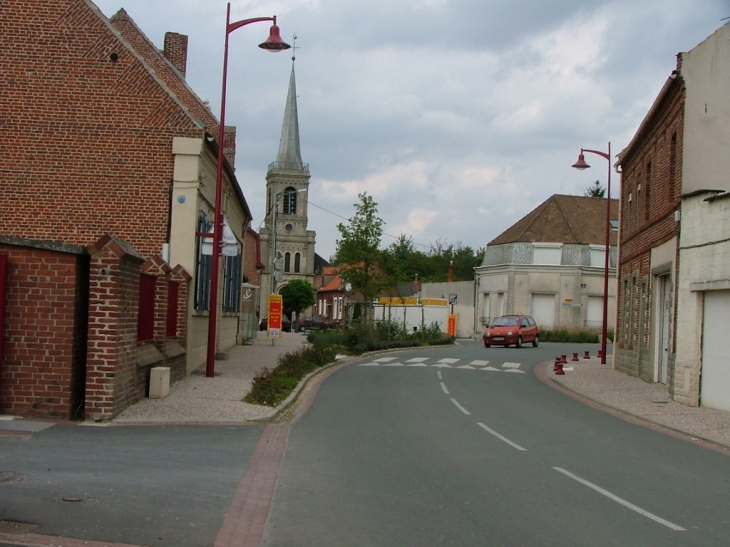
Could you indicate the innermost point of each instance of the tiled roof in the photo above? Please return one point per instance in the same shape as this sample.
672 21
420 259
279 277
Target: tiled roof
563 219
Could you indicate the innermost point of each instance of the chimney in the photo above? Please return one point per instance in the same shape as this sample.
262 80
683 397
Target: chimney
451 272
416 286
176 50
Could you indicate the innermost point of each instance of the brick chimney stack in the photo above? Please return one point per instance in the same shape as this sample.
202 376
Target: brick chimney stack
451 272
176 51
416 286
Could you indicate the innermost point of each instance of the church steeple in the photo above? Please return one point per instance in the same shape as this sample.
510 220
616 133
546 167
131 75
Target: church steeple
285 234
290 155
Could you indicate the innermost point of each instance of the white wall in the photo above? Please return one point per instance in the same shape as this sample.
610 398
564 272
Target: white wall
704 265
706 162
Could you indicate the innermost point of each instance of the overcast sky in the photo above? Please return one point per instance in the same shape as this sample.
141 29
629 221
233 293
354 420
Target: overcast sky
457 116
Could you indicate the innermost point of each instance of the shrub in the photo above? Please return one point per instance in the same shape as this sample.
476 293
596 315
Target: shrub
576 336
270 387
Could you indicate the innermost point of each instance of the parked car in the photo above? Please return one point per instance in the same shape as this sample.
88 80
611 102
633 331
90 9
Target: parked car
511 329
313 323
285 324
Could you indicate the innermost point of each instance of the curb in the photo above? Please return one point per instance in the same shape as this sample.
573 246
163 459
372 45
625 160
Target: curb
542 373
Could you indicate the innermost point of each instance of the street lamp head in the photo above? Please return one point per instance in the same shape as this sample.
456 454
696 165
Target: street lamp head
274 42
581 163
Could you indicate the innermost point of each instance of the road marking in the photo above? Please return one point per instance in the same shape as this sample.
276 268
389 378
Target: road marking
417 360
442 365
369 365
467 366
623 502
478 363
448 360
393 365
386 359
491 368
443 386
465 411
500 437
439 374
511 365
515 371
417 364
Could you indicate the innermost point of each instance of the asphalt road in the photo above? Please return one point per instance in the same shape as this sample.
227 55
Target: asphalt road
168 486
401 450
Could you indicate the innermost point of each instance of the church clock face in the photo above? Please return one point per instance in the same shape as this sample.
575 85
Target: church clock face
288 227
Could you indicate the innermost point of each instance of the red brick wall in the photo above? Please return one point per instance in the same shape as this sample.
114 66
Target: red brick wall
112 382
86 141
39 350
652 174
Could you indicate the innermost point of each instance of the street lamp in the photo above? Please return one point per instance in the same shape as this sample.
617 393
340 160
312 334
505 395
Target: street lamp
581 165
274 43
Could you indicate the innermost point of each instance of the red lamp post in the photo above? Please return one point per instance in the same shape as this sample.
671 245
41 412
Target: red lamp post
274 43
581 165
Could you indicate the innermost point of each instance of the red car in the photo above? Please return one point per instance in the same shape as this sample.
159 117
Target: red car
511 329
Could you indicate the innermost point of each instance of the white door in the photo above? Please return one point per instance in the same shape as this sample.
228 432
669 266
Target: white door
543 310
715 380
665 310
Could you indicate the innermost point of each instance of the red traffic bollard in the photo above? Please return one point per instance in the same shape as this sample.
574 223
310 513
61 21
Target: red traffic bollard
587 355
600 354
557 363
564 359
559 369
575 357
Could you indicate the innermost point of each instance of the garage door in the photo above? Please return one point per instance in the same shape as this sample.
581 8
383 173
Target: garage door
715 384
543 309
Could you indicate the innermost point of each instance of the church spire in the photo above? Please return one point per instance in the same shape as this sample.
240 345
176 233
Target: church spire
290 156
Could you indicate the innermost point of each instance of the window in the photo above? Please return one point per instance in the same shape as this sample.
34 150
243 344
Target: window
173 290
287 262
205 264
290 201
146 313
297 262
639 211
628 213
232 266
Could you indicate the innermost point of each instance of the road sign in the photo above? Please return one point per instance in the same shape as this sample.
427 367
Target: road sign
275 311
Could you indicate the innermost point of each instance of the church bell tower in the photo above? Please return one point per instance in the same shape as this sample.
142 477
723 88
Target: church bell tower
287 246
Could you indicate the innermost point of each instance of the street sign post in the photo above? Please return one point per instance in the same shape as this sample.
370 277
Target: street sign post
275 312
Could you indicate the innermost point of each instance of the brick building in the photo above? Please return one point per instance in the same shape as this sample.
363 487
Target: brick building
669 273
108 163
651 186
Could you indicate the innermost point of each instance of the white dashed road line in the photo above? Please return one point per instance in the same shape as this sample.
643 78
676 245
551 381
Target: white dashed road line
501 437
443 386
621 501
465 411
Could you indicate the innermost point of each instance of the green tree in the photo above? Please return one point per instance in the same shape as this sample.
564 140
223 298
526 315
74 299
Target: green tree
298 295
358 249
595 191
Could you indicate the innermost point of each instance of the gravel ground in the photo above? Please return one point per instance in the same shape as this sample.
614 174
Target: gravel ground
197 399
